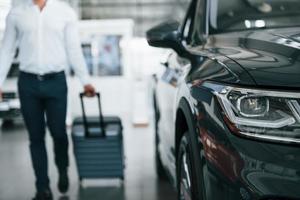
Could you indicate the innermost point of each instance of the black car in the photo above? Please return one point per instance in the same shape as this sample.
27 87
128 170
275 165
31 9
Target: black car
228 105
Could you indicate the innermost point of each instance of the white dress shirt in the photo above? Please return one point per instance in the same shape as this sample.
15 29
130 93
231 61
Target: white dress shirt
48 40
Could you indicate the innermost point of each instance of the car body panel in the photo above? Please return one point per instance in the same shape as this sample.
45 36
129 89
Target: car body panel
267 55
166 97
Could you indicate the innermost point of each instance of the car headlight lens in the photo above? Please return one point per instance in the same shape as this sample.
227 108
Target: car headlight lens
263 114
253 106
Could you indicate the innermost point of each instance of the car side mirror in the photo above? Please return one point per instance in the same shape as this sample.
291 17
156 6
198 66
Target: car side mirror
166 35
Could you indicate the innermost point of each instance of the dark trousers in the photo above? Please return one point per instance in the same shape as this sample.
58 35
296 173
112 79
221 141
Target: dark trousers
44 101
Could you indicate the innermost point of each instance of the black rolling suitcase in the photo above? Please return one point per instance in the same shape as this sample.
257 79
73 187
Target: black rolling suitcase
98 145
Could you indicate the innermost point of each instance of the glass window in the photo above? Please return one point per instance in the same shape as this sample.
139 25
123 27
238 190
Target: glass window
231 15
199 28
187 29
188 24
103 56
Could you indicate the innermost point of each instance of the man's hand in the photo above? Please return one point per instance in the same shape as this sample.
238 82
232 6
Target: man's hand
89 90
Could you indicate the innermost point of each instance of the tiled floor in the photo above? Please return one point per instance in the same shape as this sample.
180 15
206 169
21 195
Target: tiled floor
16 176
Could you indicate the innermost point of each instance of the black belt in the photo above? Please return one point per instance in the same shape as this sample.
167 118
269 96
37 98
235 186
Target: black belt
42 77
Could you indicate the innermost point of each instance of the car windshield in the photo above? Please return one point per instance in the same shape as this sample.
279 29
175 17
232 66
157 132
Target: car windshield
233 15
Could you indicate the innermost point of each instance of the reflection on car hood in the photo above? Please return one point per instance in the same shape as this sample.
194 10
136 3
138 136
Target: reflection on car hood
271 57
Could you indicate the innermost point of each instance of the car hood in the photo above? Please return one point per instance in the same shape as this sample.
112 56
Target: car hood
271 57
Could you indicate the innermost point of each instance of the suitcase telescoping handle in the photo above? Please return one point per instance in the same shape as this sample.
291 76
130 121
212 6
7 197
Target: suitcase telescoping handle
85 121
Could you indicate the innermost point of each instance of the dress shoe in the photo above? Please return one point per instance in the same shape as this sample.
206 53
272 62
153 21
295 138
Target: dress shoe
45 195
63 182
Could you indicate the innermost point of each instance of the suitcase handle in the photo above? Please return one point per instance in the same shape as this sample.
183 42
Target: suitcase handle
85 122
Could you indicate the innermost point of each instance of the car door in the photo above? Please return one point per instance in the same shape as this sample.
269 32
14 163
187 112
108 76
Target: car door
167 88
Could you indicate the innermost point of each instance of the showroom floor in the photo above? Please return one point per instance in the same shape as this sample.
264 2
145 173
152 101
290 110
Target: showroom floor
16 176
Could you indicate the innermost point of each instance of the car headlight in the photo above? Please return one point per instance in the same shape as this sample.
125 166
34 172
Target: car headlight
264 114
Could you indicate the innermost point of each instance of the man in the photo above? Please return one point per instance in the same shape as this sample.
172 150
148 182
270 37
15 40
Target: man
46 35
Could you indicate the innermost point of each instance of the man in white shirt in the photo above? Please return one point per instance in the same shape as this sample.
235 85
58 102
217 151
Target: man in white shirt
47 37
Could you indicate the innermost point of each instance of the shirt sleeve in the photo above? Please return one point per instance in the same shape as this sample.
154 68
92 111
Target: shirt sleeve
8 47
74 52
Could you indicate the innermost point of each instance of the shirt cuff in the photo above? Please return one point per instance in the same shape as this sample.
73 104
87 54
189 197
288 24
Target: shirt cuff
86 80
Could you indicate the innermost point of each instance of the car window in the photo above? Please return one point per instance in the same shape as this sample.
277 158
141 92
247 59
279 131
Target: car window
199 28
186 33
188 25
231 15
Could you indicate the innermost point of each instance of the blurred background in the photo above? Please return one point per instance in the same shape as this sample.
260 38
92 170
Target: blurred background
122 66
